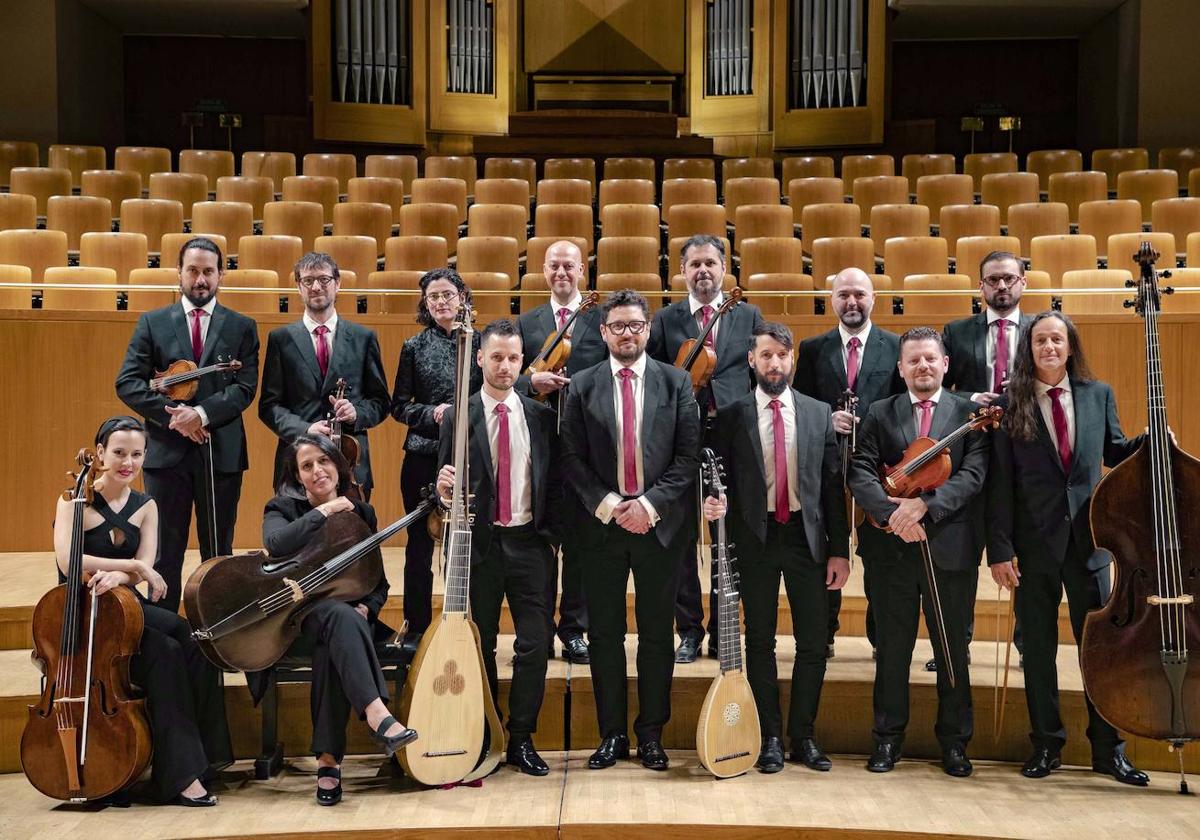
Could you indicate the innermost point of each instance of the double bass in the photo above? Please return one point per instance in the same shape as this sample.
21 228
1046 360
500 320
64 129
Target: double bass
1135 652
88 736
446 696
727 731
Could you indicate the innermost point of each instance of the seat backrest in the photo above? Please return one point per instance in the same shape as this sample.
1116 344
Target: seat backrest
231 219
403 167
627 255
496 254
76 215
832 254
739 191
145 301
704 168
959 220
1182 159
112 184
1004 189
394 304
1029 221
462 167
363 218
1179 217
564 191
514 191
254 190
16 298
415 253
943 306
351 253
626 191
971 250
986 163
938 191
777 305
692 219
1036 301
888 220
913 167
1123 246
76 159
211 163
276 253
489 307
1059 253
817 166
524 169
905 255
442 191
431 220
821 220
40 182
376 190
1180 302
1102 219
305 219
631 219
863 166
502 220
343 167
1095 304
144 160
153 217
564 220
624 168
1047 162
122 252
746 167
17 211
879 189
816 190
584 168
686 191
17 153
273 165
252 302
172 243
188 188
753 220
772 255
1147 186
82 299
35 249
322 190
1112 162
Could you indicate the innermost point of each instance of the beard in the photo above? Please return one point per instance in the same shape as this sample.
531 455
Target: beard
199 297
773 387
627 354
853 318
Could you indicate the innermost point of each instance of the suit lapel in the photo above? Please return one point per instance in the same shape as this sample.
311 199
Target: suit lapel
1083 398
833 359
800 453
481 438
650 395
341 351
942 413
1047 439
903 411
179 321
750 424
979 340
536 456
547 323
725 333
871 358
304 345
214 334
607 406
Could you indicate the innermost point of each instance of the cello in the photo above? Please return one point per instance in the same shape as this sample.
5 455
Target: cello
1135 649
447 691
88 735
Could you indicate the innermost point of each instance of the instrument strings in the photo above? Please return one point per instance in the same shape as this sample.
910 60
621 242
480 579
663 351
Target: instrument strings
63 711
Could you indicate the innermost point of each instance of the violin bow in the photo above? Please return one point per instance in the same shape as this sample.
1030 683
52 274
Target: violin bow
1003 631
935 601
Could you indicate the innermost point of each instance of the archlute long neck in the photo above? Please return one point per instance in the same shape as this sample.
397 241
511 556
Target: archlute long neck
458 526
729 634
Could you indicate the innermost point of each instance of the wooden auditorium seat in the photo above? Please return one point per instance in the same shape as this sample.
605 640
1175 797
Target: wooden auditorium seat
501 191
231 219
879 189
304 219
144 160
971 250
462 167
154 217
987 163
273 165
490 254
817 166
627 255
17 211
1179 217
628 168
941 307
779 305
254 190
816 190
343 167
351 253
864 166
36 249
15 153
1182 159
415 253
533 290
188 188
1060 253
1112 162
76 215
888 220
442 191
905 255
1004 189
16 298
687 191
1096 304
251 303
1147 186
375 190
1122 248
831 254
772 255
76 160
702 168
524 169
403 167
695 219
1193 250
322 190
172 243
633 219
959 220
914 166
40 182
112 184
1179 303
211 163
1037 301
745 167
364 218
584 168
1047 162
394 304
122 252
938 191
431 220
564 191
273 252
99 300
626 191
753 220
1074 188
488 307
503 219
565 220
1029 221
139 301
1101 219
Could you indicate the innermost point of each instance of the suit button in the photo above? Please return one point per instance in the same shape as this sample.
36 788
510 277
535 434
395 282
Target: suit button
1067 517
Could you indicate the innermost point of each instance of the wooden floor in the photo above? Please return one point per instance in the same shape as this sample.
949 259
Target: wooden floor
916 800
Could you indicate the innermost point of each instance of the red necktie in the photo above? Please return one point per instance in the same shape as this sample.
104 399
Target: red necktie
926 407
629 432
503 469
706 313
563 315
1000 367
783 506
197 341
322 349
852 361
1060 428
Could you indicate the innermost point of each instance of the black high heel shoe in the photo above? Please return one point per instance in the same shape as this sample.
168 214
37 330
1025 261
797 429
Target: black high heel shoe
333 795
394 743
206 801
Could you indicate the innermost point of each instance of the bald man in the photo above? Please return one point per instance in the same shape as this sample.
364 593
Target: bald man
861 357
564 269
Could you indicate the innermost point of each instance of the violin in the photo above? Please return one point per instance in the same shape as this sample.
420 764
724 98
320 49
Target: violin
246 609
346 443
181 378
1135 649
556 349
88 736
698 358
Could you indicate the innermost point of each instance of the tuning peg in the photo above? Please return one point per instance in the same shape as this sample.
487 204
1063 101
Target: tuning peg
1166 274
1169 290
1129 284
1128 304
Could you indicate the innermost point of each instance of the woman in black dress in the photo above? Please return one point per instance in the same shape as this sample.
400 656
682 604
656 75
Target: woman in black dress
340 636
185 698
424 390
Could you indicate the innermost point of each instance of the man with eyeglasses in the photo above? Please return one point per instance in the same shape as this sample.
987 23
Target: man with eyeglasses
702 264
197 449
982 349
306 359
630 453
564 269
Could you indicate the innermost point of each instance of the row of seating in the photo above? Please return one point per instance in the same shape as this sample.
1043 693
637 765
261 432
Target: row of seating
215 164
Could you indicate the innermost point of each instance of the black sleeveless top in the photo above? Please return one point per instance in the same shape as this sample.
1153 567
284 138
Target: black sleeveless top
99 542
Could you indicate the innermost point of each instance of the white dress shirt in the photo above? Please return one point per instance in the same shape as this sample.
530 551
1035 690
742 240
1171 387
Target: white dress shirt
1013 334
520 476
1066 399
605 510
205 321
570 306
916 412
862 337
696 306
331 325
766 434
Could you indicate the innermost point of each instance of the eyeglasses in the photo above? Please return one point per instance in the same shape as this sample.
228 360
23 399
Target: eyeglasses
619 327
321 280
440 296
1010 280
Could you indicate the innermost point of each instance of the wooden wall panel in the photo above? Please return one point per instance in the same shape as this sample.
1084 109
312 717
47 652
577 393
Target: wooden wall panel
604 36
467 112
714 115
62 388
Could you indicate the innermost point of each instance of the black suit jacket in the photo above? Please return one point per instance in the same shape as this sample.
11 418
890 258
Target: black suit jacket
675 324
966 345
545 492
295 395
161 337
1034 507
587 345
821 373
818 466
954 533
670 436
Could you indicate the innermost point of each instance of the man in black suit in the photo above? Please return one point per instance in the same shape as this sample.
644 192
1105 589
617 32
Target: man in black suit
787 520
306 359
702 264
200 444
940 517
860 357
564 270
981 349
630 452
1060 428
514 476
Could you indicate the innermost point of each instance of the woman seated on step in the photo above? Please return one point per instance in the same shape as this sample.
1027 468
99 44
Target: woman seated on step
340 636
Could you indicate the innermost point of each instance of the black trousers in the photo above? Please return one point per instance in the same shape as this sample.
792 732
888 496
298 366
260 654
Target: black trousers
835 595
177 490
515 565
345 671
185 699
572 608
785 553
1036 606
899 592
689 612
416 473
609 557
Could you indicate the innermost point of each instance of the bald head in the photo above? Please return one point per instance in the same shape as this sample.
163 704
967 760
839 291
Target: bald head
563 270
853 298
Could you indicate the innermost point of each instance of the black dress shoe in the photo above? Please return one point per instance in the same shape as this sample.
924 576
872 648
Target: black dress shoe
524 757
809 754
612 747
653 756
390 744
770 756
884 758
956 763
333 795
1041 763
931 665
575 651
1120 768
206 801
688 650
